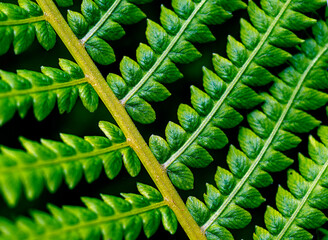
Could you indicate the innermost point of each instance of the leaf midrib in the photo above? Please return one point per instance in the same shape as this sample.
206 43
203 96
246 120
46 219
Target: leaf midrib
226 93
163 55
22 21
267 142
101 220
33 90
61 160
102 20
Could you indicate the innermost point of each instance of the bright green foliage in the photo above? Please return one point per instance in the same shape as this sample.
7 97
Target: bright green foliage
20 24
300 207
101 21
48 163
142 81
272 132
41 90
229 90
110 218
226 90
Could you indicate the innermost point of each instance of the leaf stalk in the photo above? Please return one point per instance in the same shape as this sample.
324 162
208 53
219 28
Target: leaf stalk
122 118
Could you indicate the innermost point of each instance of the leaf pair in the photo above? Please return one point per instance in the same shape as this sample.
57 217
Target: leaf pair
20 24
110 218
272 132
41 90
100 22
301 208
226 89
142 81
50 162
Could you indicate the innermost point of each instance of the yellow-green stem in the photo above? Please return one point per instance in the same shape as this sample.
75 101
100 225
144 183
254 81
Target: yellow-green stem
134 138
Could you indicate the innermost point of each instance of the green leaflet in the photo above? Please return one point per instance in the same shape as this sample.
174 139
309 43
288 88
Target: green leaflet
259 150
168 44
301 208
64 3
50 162
110 218
99 22
19 25
272 132
18 92
228 89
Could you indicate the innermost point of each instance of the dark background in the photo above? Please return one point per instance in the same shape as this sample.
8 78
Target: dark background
82 123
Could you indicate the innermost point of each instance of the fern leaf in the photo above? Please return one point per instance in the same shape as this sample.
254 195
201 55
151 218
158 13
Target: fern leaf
26 88
20 24
110 218
101 21
141 81
272 132
301 207
215 108
51 161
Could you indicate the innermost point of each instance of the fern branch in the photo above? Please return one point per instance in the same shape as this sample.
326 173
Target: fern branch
164 54
299 209
103 19
26 88
267 143
141 81
41 163
21 21
20 24
118 112
101 221
305 199
52 161
249 170
100 22
257 41
111 218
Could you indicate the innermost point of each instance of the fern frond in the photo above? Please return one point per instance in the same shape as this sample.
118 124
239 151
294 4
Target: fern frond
26 88
225 91
112 218
51 161
141 81
300 207
272 132
101 21
20 24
